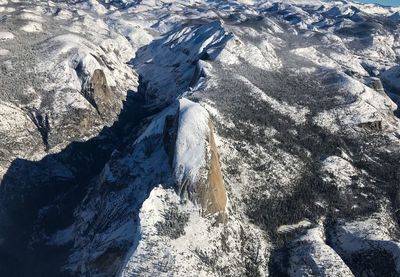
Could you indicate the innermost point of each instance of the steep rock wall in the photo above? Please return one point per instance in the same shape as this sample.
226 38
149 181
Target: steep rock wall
196 161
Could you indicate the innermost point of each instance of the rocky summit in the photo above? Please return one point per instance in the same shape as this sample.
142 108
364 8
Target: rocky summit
199 138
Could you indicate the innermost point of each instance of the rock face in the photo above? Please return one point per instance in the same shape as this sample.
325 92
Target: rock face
199 138
99 93
196 160
214 197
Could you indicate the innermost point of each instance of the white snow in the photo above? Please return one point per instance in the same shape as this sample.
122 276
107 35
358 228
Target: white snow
28 16
6 36
289 228
32 27
191 139
312 256
338 170
372 234
263 56
156 127
4 52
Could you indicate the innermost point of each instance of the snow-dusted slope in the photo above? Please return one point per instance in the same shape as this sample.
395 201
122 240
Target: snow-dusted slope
199 138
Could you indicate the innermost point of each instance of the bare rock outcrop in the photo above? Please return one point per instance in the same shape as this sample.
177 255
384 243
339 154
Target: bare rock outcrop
196 161
213 197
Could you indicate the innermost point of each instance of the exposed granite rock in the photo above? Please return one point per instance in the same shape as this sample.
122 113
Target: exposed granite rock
213 196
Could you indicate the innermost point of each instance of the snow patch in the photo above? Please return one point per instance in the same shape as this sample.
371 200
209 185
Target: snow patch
4 52
32 27
338 170
6 36
193 130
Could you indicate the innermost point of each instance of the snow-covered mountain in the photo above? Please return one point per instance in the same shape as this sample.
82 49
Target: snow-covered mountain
199 138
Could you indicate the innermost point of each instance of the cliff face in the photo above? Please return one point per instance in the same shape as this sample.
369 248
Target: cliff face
214 198
99 93
196 161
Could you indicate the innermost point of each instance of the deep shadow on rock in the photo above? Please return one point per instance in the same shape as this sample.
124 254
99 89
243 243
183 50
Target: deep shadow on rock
39 197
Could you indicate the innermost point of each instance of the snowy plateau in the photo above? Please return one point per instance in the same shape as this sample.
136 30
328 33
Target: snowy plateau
199 138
